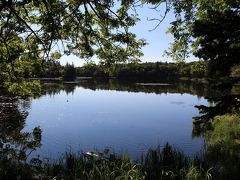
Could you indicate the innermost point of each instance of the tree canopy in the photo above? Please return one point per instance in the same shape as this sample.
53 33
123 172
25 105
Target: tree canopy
208 29
218 35
36 31
33 32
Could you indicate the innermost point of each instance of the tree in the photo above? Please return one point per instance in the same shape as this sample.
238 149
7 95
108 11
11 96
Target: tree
218 35
69 72
32 32
198 69
208 29
212 29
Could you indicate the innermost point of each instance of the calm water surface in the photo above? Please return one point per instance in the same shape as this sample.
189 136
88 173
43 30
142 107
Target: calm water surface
85 117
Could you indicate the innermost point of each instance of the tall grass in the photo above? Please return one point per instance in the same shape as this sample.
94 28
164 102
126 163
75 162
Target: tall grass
170 163
93 166
160 163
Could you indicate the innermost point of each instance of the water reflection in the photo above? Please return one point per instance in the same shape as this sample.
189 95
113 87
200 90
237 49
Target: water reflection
181 87
128 116
16 145
220 99
14 110
222 138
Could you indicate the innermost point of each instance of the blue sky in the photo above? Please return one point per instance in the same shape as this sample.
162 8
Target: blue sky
158 41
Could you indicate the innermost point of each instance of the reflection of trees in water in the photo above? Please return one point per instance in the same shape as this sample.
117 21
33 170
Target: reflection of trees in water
227 102
221 135
199 89
220 106
15 145
55 88
221 99
175 87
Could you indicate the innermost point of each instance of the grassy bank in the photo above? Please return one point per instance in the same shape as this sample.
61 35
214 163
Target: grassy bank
165 163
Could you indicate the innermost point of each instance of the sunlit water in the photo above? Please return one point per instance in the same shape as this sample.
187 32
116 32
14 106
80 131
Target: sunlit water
127 122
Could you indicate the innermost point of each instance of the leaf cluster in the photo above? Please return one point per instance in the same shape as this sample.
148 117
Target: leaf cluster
33 32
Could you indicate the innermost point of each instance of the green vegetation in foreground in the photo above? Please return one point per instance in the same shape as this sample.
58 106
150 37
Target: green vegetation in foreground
223 140
165 163
220 160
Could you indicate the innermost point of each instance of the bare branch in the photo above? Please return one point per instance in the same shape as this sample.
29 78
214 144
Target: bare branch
162 17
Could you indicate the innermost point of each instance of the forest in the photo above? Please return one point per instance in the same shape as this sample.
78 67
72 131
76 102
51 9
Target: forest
149 71
35 34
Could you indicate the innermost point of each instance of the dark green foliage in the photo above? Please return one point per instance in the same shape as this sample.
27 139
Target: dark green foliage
35 32
223 105
165 163
91 70
15 145
51 69
223 139
101 29
190 87
93 166
219 36
158 71
69 72
11 170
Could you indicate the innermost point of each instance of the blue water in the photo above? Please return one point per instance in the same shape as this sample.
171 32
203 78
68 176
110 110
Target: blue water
127 122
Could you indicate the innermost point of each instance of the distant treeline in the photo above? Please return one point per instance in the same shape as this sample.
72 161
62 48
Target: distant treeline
150 70
153 70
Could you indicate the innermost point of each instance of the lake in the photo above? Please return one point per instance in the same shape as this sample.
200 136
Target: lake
128 118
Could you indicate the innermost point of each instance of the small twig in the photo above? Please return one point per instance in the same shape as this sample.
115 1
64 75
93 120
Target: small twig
162 17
